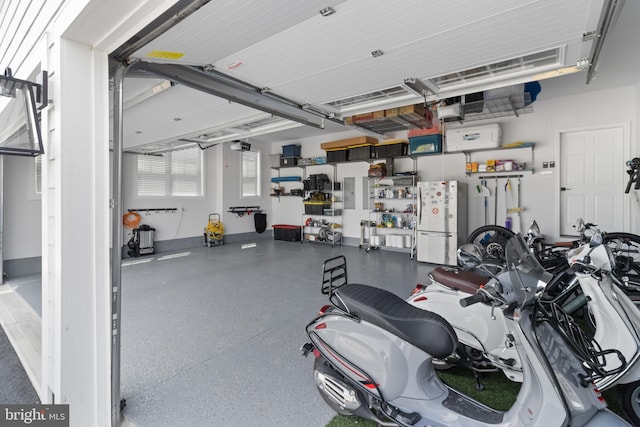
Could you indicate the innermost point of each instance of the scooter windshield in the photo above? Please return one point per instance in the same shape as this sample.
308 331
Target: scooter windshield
525 272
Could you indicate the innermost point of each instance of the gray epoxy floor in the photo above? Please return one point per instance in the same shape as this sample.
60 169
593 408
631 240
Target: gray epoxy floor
212 338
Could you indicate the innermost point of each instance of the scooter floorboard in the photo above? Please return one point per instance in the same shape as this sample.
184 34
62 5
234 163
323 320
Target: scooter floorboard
461 404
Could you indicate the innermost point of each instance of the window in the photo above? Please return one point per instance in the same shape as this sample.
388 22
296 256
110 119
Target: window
175 173
250 174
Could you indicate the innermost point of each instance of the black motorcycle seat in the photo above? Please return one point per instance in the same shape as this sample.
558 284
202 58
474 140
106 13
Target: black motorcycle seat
461 280
426 330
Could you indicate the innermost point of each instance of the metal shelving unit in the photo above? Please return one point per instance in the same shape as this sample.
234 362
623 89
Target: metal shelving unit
392 213
279 192
323 228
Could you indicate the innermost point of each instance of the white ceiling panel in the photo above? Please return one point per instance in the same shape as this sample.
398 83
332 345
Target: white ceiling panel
291 49
221 28
175 112
328 58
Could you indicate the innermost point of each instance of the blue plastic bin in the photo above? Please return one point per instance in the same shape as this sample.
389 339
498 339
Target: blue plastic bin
425 144
292 150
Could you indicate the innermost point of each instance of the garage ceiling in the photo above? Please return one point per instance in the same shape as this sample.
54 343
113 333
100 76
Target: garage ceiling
328 62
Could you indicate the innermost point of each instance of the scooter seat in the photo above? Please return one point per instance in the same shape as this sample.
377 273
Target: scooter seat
424 329
461 280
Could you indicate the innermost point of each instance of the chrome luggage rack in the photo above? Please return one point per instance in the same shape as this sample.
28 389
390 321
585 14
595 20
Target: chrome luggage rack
583 346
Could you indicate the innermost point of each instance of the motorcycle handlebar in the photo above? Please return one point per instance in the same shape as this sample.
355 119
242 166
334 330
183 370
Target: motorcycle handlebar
473 299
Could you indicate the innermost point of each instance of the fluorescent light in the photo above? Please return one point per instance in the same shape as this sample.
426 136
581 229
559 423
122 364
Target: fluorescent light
147 93
558 72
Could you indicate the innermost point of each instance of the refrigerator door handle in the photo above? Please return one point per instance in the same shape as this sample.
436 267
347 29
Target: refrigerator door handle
419 206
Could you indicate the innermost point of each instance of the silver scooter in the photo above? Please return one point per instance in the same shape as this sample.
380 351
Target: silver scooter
373 355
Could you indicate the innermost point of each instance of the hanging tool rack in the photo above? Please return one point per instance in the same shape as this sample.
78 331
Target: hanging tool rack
244 210
154 210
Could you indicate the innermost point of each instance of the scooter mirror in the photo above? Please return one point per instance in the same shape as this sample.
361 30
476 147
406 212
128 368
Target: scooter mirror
470 255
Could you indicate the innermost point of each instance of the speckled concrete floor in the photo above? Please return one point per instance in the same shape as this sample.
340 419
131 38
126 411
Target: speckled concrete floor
212 338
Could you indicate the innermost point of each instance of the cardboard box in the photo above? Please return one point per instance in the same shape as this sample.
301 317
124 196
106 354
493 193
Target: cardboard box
345 143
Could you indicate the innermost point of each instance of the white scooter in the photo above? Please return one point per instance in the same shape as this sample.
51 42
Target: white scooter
373 356
487 338
616 319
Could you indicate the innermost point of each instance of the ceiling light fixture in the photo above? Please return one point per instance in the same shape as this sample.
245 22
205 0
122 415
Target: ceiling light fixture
376 53
148 93
558 72
327 11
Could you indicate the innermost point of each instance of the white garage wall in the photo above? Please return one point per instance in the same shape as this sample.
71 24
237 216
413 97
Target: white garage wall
190 218
222 177
222 190
23 209
230 190
538 191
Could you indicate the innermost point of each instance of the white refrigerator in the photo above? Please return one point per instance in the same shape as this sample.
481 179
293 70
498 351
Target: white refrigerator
441 222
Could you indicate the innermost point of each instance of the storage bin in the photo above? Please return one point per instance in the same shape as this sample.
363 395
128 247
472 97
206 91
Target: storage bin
288 161
332 212
363 152
289 233
274 159
336 156
474 138
316 208
350 142
390 150
292 150
425 144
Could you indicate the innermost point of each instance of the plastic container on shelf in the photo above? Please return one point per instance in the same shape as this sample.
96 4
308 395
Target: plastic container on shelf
425 144
363 152
288 161
316 208
274 159
291 150
390 150
337 156
289 233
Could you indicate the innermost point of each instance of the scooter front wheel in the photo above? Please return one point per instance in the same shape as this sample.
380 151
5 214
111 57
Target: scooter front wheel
630 397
